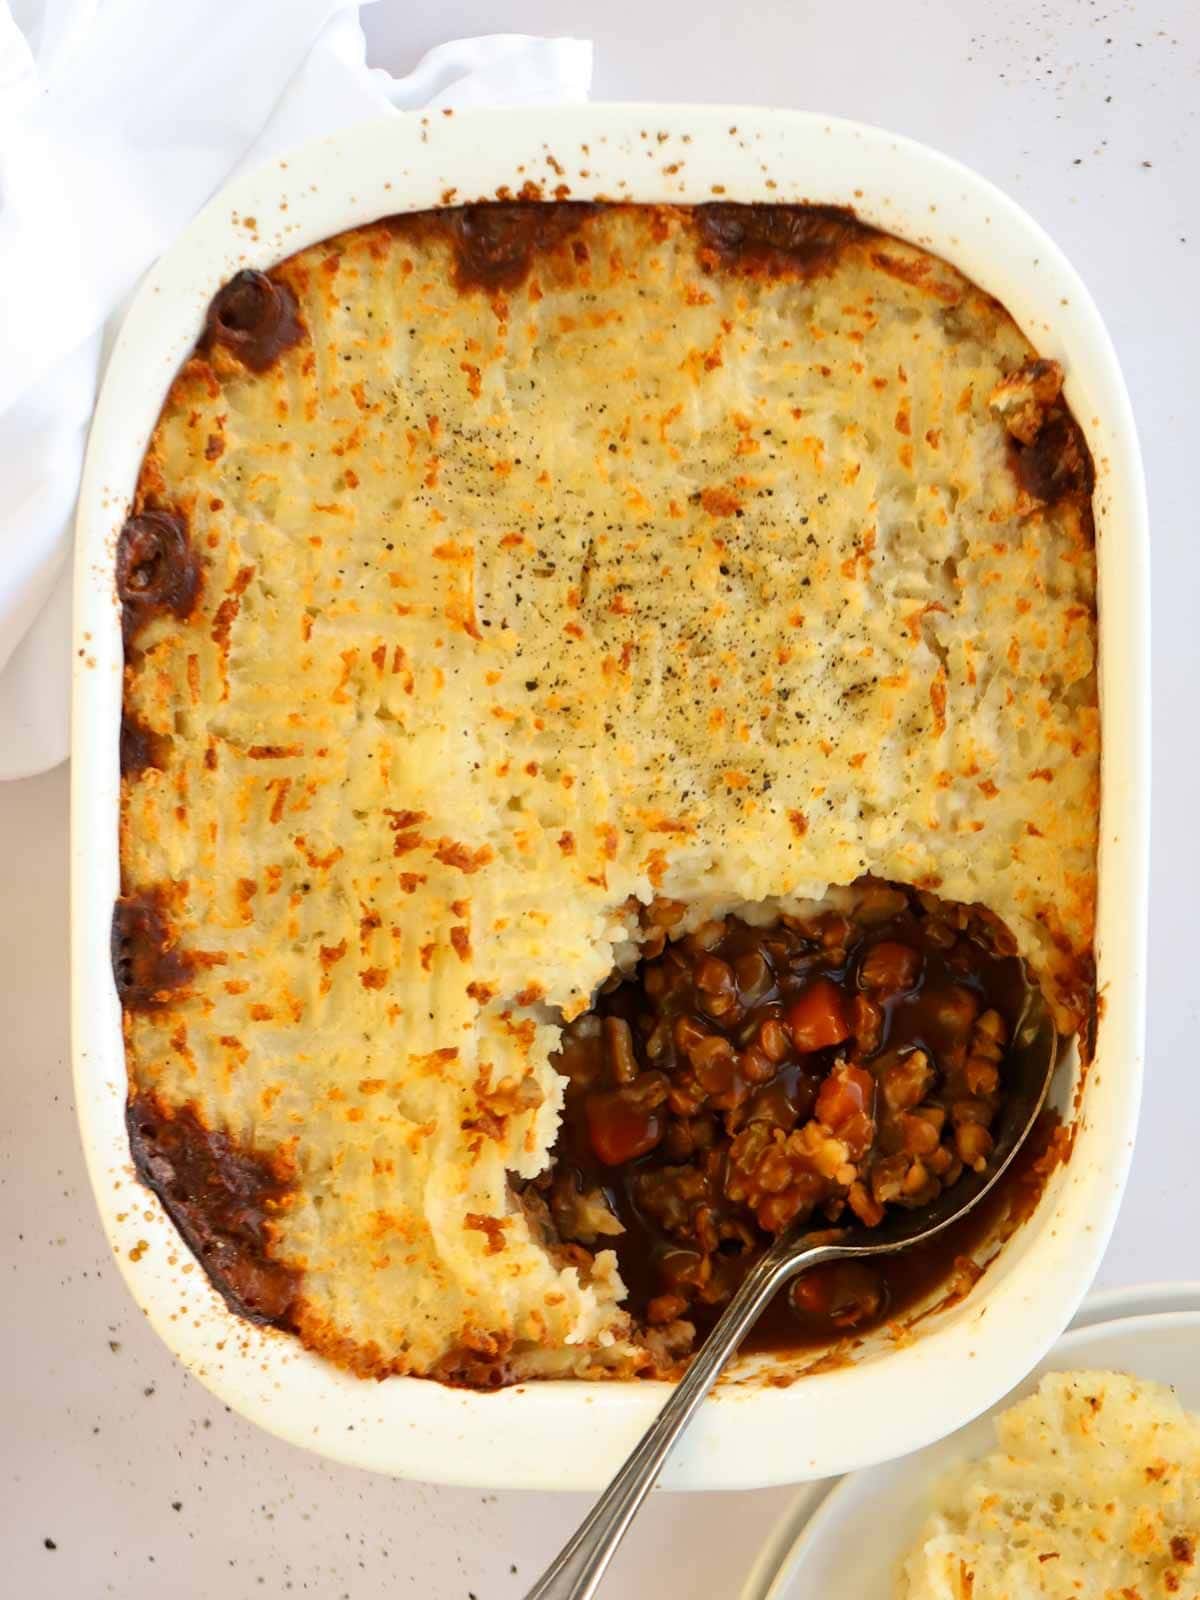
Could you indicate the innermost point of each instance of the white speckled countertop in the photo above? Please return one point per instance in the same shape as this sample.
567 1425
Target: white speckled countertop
119 1475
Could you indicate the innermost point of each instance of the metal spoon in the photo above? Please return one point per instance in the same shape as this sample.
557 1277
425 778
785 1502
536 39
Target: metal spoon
1029 1065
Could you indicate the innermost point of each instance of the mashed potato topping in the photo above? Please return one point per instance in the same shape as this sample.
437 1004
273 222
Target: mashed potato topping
493 578
1094 1491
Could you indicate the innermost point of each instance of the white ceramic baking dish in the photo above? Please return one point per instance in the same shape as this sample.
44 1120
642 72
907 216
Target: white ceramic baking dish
572 1435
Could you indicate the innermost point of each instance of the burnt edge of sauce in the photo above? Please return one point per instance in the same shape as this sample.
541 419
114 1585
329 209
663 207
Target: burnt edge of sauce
157 569
776 240
495 243
221 1199
141 748
255 317
146 961
1047 451
1057 465
1085 998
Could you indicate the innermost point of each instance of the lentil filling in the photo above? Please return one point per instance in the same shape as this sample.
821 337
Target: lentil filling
744 1078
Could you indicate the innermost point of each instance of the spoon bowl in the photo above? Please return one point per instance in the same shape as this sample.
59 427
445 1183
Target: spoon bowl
1029 1066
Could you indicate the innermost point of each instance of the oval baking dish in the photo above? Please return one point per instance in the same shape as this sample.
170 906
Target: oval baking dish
895 1396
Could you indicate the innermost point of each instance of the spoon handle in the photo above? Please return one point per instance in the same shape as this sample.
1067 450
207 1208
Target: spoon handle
577 1569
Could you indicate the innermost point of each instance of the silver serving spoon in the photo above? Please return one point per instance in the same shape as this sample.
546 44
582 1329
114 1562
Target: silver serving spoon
1028 1067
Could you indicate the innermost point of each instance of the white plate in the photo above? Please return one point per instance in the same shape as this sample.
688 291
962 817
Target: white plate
828 1555
777 1557
575 1435
1142 1300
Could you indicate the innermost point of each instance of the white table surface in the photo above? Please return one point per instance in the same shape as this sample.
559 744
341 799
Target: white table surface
1088 112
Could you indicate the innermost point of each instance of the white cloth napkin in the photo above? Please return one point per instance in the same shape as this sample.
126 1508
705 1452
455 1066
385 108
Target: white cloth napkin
118 120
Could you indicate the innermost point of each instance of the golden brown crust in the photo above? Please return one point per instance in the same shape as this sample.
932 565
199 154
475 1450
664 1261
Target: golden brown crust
1090 1490
560 562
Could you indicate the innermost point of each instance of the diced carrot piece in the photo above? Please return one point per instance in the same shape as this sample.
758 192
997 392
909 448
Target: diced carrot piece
817 1018
619 1130
845 1105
